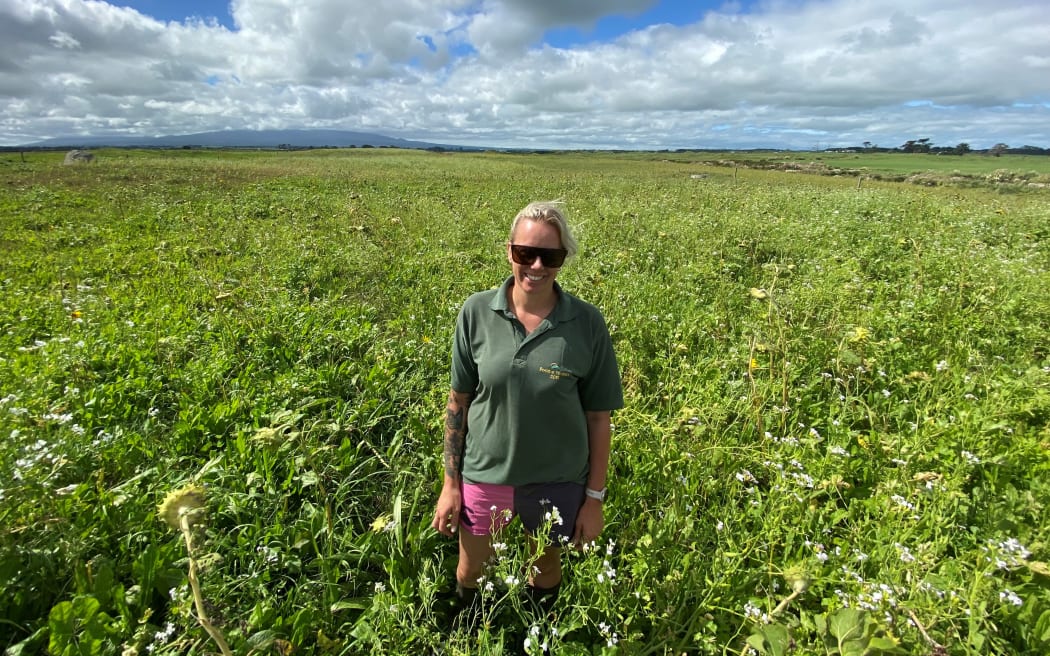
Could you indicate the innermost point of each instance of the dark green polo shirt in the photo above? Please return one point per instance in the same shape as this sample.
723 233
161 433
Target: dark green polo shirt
526 422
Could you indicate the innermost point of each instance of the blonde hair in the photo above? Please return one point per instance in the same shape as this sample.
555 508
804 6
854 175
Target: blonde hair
550 212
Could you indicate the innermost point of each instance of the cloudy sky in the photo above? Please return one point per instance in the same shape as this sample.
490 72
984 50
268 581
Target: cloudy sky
639 74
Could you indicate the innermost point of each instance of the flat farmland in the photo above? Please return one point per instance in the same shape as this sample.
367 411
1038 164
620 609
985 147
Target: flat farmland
223 378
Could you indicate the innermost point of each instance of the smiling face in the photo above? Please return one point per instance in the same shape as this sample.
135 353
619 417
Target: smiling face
534 278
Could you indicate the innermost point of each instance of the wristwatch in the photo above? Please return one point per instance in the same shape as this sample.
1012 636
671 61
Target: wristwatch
598 495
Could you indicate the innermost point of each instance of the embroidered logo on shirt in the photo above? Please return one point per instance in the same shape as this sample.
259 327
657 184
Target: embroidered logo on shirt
556 372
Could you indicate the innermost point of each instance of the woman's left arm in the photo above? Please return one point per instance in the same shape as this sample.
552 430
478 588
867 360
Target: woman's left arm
590 520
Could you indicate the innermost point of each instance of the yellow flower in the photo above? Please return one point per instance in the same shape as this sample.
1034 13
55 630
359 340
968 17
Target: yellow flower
380 523
185 501
860 334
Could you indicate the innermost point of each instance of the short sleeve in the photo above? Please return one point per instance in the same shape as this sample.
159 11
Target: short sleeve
464 366
601 388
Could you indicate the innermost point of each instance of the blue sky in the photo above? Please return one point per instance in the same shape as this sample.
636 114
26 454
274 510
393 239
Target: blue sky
608 28
535 73
604 28
184 10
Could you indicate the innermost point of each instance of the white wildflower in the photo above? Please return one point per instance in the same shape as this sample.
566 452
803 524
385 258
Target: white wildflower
905 553
1010 597
902 502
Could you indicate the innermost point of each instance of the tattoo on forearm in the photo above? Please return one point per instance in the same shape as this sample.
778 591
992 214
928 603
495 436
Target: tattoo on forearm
455 436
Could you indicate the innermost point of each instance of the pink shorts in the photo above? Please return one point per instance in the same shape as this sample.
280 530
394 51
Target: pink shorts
488 508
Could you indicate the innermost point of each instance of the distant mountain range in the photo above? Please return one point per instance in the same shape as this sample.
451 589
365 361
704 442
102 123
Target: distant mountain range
245 139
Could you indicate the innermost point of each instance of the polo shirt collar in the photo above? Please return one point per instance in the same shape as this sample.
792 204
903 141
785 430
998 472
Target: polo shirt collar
564 309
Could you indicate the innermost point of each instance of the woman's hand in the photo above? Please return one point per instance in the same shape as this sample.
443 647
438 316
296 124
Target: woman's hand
589 523
446 515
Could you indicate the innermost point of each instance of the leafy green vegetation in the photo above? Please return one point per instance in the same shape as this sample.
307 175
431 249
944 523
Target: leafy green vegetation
835 440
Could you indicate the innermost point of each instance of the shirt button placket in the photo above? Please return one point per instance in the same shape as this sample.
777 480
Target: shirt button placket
518 361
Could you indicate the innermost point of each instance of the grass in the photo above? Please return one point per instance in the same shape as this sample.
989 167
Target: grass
835 433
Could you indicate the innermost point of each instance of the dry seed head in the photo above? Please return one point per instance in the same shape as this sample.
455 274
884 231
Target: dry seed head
797 577
926 477
835 481
268 436
188 500
1038 567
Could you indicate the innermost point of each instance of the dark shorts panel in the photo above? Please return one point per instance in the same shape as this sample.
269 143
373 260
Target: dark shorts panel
487 508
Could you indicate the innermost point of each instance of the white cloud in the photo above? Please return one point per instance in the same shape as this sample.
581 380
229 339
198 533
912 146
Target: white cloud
62 40
793 74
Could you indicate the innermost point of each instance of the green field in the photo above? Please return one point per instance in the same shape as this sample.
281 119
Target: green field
836 437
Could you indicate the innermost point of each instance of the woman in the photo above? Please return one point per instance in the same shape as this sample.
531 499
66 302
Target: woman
527 425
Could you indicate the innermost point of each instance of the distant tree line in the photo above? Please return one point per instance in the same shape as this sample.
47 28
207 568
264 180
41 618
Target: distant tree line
925 145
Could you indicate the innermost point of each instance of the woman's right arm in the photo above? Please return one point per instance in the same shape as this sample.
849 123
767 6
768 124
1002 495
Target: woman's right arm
446 516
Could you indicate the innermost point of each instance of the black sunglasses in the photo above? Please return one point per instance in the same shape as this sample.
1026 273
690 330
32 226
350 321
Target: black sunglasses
552 258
